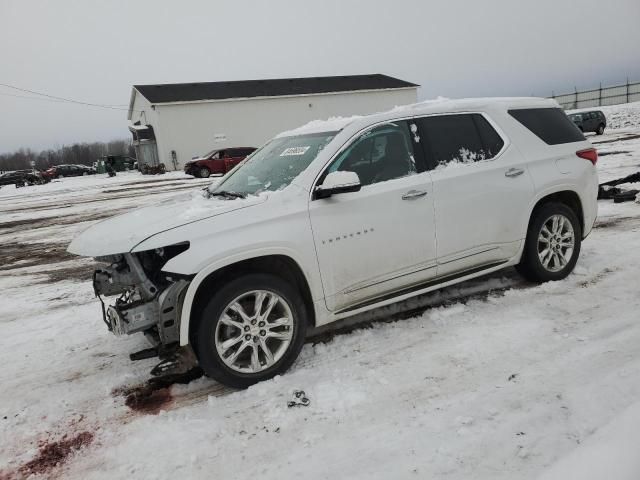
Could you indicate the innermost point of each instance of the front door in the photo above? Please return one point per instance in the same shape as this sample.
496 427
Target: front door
232 158
380 240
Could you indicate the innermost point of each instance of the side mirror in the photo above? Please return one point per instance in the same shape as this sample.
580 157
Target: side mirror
338 182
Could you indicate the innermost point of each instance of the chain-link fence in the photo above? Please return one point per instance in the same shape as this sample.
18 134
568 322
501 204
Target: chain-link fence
625 93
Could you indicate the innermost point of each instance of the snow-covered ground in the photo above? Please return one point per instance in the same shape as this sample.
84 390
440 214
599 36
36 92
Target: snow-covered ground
495 378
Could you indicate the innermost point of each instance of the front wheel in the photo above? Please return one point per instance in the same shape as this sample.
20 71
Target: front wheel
553 243
252 329
204 172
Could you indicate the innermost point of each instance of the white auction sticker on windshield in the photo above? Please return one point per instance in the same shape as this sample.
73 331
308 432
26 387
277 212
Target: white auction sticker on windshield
294 151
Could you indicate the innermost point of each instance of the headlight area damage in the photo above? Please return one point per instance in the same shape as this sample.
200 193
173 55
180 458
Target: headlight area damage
148 301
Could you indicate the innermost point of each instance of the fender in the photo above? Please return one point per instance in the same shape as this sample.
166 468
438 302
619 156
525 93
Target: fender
563 187
187 305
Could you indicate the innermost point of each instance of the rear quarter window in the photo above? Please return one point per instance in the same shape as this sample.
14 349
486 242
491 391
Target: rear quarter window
551 125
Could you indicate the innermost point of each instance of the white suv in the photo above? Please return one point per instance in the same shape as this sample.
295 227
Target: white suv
343 216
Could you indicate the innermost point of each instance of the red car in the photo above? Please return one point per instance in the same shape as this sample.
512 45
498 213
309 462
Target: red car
217 162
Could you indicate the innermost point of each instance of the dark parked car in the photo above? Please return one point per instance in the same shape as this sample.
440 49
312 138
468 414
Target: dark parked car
217 162
593 121
22 178
69 171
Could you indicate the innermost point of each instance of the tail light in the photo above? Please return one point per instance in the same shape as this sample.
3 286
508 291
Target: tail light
590 154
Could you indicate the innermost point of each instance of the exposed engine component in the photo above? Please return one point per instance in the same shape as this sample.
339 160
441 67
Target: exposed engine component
149 300
123 274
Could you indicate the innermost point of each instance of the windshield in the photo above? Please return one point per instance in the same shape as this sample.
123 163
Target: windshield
206 155
275 165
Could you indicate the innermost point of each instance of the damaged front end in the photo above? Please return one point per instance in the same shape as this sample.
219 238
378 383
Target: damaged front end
148 299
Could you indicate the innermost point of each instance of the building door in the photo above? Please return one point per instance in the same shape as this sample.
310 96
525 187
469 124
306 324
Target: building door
147 153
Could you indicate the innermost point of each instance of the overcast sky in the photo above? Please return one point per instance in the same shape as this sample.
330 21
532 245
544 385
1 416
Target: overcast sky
94 51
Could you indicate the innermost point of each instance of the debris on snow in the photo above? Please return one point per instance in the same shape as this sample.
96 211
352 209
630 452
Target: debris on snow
299 399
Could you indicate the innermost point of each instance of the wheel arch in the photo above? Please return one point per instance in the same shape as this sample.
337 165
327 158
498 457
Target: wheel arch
567 197
275 263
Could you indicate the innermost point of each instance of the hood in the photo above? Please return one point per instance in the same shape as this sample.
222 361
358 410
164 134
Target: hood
120 234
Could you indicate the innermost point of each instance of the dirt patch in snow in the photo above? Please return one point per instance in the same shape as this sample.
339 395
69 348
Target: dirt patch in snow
160 181
618 139
79 273
54 453
611 222
155 395
597 278
55 221
19 255
148 401
144 187
613 152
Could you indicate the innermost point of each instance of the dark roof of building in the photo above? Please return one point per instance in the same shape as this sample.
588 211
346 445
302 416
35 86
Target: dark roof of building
189 92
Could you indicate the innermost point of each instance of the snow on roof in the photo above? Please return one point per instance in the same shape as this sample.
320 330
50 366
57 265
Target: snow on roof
437 105
332 124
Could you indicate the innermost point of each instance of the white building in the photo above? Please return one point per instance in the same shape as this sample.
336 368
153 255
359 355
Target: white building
172 123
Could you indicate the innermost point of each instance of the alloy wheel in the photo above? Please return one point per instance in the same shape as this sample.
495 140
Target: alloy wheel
556 243
254 331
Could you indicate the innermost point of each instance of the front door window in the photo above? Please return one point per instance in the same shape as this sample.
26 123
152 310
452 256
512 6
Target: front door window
381 154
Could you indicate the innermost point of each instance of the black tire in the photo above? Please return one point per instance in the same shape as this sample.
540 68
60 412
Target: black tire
204 172
530 266
600 129
203 337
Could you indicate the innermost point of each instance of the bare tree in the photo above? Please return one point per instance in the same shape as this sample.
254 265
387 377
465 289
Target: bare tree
77 153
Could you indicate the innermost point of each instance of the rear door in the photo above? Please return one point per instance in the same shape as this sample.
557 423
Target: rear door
481 190
587 121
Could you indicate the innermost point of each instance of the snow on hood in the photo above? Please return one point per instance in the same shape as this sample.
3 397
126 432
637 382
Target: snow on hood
122 233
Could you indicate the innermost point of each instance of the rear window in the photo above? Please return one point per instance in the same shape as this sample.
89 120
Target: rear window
551 125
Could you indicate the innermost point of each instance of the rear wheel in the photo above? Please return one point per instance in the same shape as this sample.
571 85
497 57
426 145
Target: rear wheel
600 129
204 172
252 329
553 243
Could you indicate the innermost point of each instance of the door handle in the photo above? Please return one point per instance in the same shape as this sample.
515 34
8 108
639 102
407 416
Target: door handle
411 194
513 172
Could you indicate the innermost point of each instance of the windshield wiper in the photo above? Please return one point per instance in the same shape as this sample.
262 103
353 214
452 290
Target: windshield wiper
226 193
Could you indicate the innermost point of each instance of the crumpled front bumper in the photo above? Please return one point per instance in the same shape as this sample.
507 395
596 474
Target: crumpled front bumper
141 306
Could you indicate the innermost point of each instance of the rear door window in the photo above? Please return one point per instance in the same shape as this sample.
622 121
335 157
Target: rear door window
459 138
551 125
